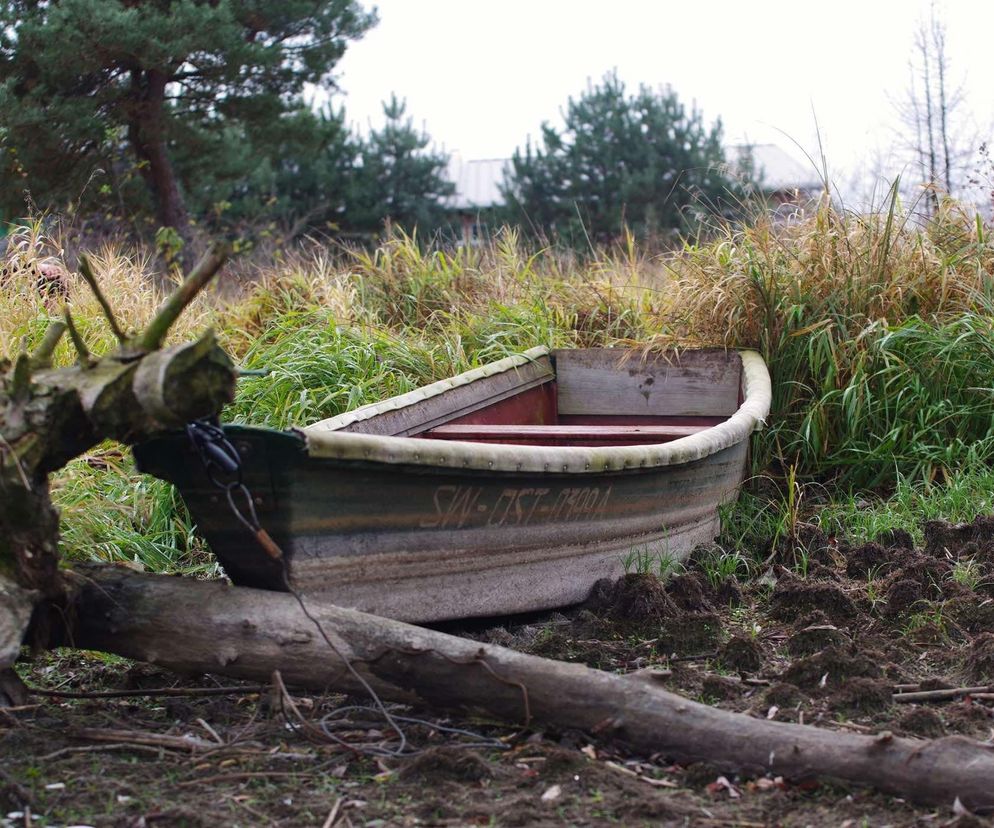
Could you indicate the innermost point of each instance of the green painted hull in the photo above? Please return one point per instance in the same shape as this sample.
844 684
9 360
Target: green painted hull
578 461
424 543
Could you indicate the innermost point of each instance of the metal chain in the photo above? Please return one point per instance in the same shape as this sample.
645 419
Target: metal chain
221 459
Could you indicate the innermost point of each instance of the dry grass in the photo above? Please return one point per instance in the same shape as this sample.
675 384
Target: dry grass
874 327
835 271
27 304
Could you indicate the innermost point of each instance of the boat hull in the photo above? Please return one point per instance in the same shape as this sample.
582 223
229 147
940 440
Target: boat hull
422 543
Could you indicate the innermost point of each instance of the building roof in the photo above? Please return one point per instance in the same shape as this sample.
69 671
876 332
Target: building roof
777 171
478 181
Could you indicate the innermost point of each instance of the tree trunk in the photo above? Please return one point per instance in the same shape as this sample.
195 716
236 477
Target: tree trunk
48 417
147 133
196 626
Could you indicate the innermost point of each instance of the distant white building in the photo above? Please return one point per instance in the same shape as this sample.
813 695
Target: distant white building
782 179
478 184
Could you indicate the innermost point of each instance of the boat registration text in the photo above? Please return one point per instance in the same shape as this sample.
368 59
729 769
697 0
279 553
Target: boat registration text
455 506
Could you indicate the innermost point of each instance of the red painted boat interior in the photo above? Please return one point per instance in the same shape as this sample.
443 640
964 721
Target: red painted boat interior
531 418
536 406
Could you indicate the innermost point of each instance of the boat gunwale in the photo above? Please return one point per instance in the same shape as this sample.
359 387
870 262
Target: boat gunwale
425 392
323 441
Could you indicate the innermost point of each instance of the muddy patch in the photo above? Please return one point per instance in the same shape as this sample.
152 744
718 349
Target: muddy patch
827 643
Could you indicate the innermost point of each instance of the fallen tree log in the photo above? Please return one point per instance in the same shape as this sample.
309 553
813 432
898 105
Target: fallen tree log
196 626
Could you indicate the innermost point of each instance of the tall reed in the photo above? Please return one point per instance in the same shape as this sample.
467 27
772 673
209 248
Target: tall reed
874 328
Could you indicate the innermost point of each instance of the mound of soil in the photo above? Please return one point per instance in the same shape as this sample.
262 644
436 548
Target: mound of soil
677 614
807 542
903 597
445 763
921 721
863 695
728 593
942 538
639 600
980 661
930 572
968 717
721 688
831 667
972 613
741 652
693 632
689 592
793 597
863 561
815 638
896 539
783 694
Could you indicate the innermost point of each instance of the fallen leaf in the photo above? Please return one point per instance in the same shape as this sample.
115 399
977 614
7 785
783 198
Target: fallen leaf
722 784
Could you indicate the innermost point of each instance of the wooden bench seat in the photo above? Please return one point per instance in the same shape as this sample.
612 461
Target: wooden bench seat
563 435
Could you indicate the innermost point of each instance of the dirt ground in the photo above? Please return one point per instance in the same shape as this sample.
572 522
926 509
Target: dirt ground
826 635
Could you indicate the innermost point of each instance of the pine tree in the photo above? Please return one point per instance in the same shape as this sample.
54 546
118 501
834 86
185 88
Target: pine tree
302 176
176 92
400 179
642 161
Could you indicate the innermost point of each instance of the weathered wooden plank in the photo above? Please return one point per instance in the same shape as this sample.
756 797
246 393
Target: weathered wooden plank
562 435
443 401
628 420
603 381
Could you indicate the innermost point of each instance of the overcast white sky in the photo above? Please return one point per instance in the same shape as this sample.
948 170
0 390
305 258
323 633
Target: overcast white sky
481 75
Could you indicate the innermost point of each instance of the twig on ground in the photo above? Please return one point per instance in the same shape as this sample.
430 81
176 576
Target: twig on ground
333 814
211 731
19 708
945 694
311 732
138 737
657 783
263 818
695 657
55 754
151 692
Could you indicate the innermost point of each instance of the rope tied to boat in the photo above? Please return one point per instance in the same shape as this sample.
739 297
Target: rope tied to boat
222 463
221 459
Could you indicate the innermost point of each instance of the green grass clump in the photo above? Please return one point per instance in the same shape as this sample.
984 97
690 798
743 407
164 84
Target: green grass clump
865 323
317 370
112 514
862 516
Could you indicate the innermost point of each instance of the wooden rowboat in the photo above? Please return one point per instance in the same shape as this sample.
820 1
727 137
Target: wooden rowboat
509 488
